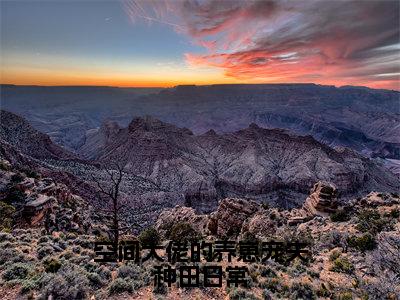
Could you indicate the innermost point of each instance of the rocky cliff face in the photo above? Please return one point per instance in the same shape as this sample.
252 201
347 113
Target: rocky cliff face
363 119
236 217
167 165
97 139
20 134
26 148
40 201
261 164
322 200
360 245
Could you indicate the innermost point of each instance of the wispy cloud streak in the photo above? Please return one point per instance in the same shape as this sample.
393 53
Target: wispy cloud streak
332 42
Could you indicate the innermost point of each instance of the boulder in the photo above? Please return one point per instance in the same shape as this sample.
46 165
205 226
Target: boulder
227 221
180 214
263 223
26 185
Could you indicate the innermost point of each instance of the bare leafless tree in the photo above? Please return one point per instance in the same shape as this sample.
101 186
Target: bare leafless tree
111 202
118 201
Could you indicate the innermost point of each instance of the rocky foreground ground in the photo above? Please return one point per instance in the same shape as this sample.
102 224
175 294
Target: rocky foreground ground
354 250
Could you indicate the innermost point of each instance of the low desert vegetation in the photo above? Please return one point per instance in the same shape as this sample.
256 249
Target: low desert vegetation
370 220
149 237
183 232
341 215
342 264
6 212
363 243
39 264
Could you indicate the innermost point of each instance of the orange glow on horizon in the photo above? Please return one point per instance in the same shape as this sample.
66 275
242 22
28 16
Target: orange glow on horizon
169 84
159 84
164 80
117 80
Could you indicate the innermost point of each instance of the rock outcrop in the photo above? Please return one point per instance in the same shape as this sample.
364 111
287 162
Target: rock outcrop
254 163
322 200
168 218
227 221
41 201
165 162
263 224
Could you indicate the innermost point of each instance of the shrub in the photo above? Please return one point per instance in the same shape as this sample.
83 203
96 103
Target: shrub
302 291
5 236
160 289
132 272
313 273
29 285
44 239
51 265
149 237
68 283
362 243
104 272
333 239
265 205
5 165
120 285
26 238
267 272
340 215
147 277
17 178
272 284
76 249
31 173
249 237
370 220
394 213
70 236
266 295
80 260
16 271
67 255
254 272
345 296
334 255
323 292
10 255
342 265
95 280
239 294
85 241
91 266
15 196
44 251
6 211
183 232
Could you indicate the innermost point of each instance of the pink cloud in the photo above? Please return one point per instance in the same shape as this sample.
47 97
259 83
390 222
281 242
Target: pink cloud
333 42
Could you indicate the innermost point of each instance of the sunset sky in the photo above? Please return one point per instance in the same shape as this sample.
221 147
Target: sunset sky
165 43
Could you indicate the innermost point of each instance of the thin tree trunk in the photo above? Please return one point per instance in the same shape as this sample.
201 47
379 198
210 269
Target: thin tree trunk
116 223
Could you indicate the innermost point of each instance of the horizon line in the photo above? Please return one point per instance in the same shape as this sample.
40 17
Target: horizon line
199 85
